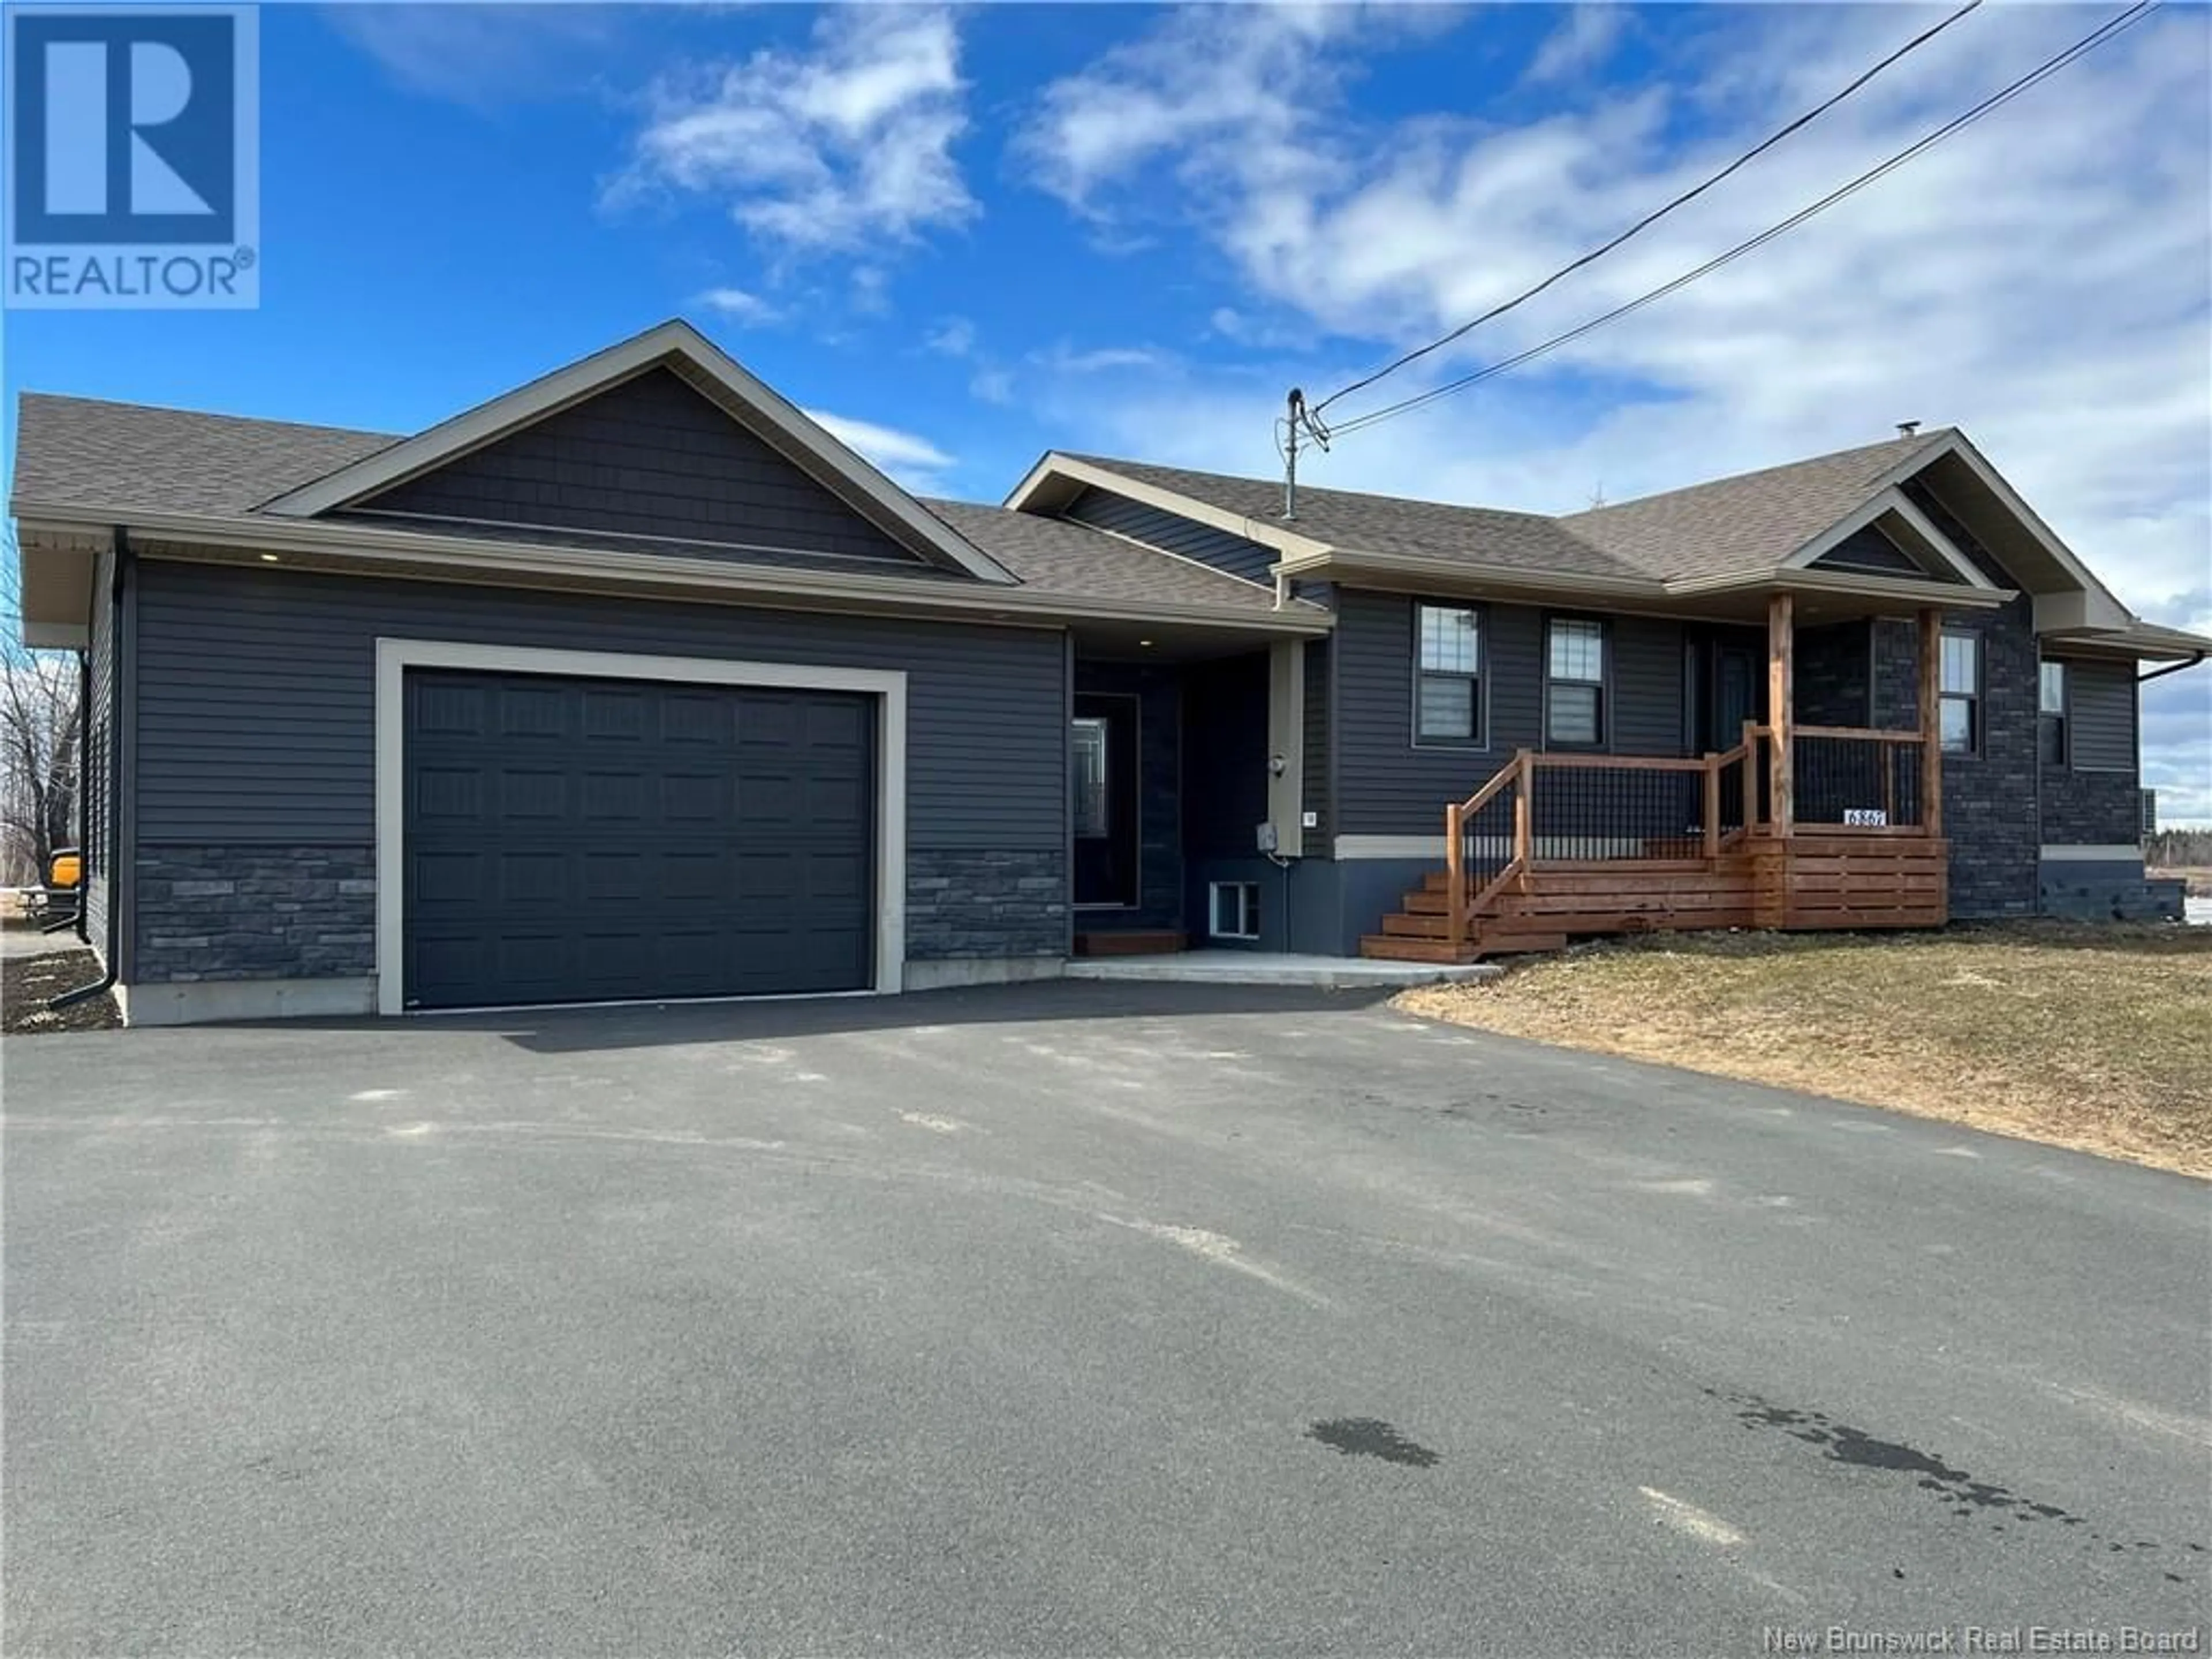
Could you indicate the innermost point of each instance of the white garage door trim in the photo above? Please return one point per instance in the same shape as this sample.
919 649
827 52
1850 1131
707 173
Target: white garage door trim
394 657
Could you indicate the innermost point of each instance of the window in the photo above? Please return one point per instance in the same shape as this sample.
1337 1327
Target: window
1574 689
2051 715
1448 705
1236 909
1960 694
1087 758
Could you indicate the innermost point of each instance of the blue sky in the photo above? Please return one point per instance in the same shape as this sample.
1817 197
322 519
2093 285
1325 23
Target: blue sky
971 234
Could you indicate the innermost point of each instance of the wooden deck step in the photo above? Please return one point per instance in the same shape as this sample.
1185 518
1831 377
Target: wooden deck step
1418 926
1396 947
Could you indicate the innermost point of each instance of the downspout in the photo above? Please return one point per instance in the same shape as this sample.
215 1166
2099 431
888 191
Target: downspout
117 649
83 794
2171 668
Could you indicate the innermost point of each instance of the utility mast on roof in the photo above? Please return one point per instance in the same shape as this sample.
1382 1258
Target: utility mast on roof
1297 419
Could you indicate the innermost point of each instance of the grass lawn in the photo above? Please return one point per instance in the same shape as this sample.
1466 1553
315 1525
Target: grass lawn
2091 1036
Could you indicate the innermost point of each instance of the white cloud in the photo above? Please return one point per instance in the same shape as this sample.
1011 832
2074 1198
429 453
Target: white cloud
843 147
2040 279
1064 359
953 337
1585 39
909 458
746 310
480 55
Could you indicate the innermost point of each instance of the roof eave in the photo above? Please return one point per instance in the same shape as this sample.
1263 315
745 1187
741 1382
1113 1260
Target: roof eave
1352 561
1039 491
373 547
1949 595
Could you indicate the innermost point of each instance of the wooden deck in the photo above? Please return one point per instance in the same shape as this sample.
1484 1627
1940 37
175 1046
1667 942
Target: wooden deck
1808 881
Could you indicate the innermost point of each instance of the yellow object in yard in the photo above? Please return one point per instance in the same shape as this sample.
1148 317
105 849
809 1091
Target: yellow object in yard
67 869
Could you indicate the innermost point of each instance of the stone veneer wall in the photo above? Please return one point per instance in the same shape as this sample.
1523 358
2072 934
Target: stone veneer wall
1990 799
254 912
1828 678
259 912
985 903
2091 809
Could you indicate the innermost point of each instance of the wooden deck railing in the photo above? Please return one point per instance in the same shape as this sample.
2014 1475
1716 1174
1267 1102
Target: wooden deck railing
1560 812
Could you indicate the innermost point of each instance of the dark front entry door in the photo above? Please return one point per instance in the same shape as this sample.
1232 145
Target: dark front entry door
582 840
1101 760
1730 689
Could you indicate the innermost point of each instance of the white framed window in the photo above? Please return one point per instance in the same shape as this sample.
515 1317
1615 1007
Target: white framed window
1574 684
1960 695
1448 688
1236 909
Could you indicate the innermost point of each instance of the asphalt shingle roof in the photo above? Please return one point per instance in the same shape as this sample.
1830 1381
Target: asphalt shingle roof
1354 522
95 455
84 452
1748 523
1060 556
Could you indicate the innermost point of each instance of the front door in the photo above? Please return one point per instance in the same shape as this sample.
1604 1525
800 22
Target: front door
1101 760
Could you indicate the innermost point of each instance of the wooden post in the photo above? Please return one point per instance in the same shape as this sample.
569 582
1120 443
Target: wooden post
1781 652
1931 721
1750 777
1524 798
1456 864
1712 805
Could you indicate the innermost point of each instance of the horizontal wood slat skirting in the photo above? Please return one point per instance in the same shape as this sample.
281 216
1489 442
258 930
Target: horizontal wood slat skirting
1804 882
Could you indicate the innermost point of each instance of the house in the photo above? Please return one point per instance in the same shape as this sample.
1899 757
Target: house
634 682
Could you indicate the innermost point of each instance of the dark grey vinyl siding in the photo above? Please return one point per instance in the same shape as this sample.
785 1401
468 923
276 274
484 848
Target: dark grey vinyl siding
648 457
1646 686
2100 716
1318 759
1387 784
256 696
1867 549
1173 534
99 817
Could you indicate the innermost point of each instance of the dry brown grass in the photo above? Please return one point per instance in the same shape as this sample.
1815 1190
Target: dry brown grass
2097 1036
2196 880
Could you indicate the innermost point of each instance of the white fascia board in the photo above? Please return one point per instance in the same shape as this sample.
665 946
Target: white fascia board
1468 573
1956 443
375 547
1877 506
1056 467
674 341
1903 589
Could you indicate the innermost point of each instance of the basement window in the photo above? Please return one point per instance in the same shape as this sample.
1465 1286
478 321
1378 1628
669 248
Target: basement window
1235 906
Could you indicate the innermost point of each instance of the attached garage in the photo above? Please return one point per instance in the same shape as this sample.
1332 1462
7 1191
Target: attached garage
628 834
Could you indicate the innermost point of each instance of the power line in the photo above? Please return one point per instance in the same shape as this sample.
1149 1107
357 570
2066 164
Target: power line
2088 43
1657 214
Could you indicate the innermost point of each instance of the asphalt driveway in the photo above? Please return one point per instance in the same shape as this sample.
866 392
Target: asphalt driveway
1066 1319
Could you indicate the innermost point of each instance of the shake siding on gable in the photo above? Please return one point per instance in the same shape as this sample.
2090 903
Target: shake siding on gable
256 693
1173 534
649 457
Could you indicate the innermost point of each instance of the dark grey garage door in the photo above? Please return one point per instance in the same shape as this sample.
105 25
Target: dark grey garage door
572 840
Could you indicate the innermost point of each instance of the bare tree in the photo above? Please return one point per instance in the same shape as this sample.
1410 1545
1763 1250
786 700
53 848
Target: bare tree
39 738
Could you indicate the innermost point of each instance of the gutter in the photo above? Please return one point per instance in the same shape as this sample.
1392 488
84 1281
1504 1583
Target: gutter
117 652
373 546
2171 668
